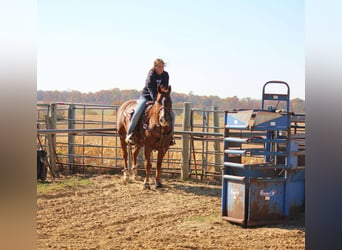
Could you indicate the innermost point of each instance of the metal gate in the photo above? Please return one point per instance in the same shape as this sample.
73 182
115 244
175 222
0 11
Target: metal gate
263 176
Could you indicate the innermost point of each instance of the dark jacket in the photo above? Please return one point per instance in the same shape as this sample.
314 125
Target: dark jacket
152 81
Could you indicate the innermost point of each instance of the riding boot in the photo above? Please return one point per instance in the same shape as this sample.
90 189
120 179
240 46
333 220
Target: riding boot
130 139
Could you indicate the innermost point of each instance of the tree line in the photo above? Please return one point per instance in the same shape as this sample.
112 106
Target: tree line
116 96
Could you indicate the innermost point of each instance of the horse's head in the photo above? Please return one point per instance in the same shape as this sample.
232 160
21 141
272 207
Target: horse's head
165 106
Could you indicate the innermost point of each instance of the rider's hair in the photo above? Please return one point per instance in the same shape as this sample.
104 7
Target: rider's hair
157 62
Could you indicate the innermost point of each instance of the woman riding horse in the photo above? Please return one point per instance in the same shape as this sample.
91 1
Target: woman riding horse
153 132
156 76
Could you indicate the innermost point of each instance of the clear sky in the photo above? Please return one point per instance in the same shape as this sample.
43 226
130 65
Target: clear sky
224 48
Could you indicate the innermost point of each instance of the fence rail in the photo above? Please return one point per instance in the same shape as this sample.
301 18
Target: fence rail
82 137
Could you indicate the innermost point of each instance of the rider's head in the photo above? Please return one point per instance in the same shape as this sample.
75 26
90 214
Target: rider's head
158 66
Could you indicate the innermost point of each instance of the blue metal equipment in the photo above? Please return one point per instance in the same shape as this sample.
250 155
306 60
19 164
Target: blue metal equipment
263 169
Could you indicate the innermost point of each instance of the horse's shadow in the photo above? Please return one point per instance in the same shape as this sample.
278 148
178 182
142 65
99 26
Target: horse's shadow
211 191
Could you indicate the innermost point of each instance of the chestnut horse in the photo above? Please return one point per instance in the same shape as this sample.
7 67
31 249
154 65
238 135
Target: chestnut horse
153 132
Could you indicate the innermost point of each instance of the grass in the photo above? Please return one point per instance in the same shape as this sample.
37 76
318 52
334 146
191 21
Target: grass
71 183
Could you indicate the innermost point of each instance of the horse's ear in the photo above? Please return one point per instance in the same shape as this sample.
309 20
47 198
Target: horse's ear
159 88
169 88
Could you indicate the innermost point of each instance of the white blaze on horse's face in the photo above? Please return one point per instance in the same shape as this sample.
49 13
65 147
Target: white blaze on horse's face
164 116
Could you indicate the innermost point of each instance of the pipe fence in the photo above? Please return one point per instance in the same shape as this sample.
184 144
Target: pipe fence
82 138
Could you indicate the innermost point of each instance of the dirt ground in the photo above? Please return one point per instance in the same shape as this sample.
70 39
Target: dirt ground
182 215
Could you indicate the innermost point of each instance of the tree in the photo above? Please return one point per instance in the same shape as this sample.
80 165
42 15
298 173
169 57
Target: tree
116 96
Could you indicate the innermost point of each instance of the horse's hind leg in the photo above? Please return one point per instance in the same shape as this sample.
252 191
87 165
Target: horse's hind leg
134 166
125 157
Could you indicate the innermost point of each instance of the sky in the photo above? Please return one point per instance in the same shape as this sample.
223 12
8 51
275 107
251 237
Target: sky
222 48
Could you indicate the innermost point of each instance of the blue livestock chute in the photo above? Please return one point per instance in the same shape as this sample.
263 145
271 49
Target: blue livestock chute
263 169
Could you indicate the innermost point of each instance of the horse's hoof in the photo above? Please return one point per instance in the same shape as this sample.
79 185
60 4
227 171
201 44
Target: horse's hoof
147 186
159 185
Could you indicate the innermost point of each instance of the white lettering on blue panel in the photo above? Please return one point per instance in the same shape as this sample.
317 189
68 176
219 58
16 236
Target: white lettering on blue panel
267 195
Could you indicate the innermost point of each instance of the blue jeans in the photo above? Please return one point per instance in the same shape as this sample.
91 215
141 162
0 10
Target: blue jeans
139 109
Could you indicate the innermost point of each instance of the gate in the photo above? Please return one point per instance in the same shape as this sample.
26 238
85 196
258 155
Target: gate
263 169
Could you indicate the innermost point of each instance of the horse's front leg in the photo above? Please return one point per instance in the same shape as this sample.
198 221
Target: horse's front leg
147 167
161 154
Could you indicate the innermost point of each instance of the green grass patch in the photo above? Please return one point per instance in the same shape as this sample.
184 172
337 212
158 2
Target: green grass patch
67 184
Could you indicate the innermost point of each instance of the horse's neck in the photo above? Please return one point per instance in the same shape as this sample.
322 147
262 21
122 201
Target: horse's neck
153 114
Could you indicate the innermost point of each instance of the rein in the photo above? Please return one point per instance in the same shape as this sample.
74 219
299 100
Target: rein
163 135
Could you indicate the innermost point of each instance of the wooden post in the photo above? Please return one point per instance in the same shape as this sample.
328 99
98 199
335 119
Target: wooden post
51 154
217 149
51 124
71 137
186 142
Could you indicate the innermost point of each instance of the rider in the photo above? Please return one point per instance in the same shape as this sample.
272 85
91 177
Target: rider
156 76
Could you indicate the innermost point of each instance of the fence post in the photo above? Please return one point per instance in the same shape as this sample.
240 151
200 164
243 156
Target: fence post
71 137
51 124
217 144
186 142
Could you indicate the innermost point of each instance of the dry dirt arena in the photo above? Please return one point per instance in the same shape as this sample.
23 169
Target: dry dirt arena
182 215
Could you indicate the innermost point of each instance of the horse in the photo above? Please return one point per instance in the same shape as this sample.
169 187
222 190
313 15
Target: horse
153 132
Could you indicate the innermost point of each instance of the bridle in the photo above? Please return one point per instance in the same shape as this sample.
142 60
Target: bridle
163 111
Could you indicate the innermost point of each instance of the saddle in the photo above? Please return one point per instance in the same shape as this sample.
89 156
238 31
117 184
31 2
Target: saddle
131 109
